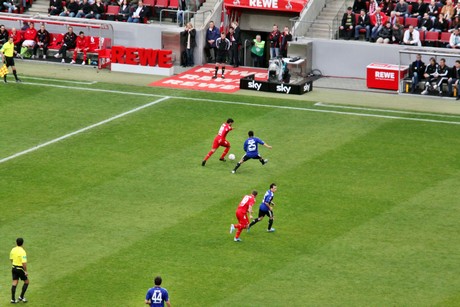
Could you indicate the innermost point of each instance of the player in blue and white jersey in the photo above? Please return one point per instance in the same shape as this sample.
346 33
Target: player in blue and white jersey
266 208
251 147
157 296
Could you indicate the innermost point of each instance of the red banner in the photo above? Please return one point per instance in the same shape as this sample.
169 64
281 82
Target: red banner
268 5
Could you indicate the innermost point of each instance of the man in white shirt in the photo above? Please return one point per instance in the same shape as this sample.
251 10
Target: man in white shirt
412 37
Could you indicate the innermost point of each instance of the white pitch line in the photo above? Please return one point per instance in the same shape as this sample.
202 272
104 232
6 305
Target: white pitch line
59 80
329 105
257 105
83 129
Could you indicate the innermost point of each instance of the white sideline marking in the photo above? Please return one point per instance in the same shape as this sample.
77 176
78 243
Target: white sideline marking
257 105
59 80
329 105
83 129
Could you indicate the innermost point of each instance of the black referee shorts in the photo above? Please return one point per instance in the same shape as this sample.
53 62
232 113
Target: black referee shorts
18 273
9 61
268 213
221 57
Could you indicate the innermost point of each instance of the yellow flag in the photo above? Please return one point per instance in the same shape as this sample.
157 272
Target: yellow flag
3 70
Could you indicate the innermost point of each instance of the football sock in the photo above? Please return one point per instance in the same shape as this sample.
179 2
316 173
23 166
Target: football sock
4 78
237 165
270 223
226 150
262 161
217 69
15 75
253 222
208 155
223 70
13 292
24 289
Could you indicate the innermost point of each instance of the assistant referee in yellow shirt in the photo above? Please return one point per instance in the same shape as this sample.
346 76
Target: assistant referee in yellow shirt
19 271
8 53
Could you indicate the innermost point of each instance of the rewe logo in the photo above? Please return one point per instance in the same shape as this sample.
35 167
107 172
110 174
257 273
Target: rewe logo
306 87
283 88
255 85
264 3
385 75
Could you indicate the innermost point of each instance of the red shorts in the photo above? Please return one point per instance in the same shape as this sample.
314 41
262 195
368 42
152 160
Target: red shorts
242 218
220 142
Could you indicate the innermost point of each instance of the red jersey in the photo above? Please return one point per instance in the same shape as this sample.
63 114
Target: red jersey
30 34
224 129
16 37
247 202
81 42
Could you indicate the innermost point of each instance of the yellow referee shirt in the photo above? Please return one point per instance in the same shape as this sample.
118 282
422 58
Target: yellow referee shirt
8 49
18 256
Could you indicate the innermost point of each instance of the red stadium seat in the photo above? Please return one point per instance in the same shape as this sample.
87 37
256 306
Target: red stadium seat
112 10
149 2
162 4
445 38
431 38
411 21
422 37
173 4
93 43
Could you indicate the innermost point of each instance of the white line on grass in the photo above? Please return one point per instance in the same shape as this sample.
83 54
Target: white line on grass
257 105
59 80
83 129
329 105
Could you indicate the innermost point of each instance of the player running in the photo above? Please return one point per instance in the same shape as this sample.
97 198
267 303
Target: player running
242 211
220 140
266 208
251 147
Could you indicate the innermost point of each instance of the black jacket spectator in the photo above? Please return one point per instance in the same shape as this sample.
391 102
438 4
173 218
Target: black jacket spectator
425 23
55 7
387 7
441 25
359 5
3 35
418 9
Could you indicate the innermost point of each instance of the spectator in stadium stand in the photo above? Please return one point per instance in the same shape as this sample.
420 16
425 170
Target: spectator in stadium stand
181 11
457 9
286 37
212 34
235 51
69 41
425 23
231 38
43 40
123 12
454 40
363 23
274 38
440 24
348 24
81 45
416 71
17 39
11 5
398 33
3 35
385 35
387 7
412 37
418 9
359 5
433 10
55 7
189 43
257 51
84 9
402 9
138 14
431 75
373 5
378 20
454 80
448 10
30 36
393 18
71 9
97 9
454 24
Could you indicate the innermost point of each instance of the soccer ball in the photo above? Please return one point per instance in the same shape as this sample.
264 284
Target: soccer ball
231 156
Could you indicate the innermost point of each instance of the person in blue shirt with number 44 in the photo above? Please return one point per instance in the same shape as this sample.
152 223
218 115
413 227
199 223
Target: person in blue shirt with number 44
157 296
251 147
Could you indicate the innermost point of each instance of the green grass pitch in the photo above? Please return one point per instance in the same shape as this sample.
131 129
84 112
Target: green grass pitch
367 207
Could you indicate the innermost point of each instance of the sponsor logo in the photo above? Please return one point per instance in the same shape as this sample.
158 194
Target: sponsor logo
384 75
283 88
273 4
306 87
141 56
254 85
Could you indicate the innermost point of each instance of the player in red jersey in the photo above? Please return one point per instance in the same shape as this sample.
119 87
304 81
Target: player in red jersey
244 208
220 140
